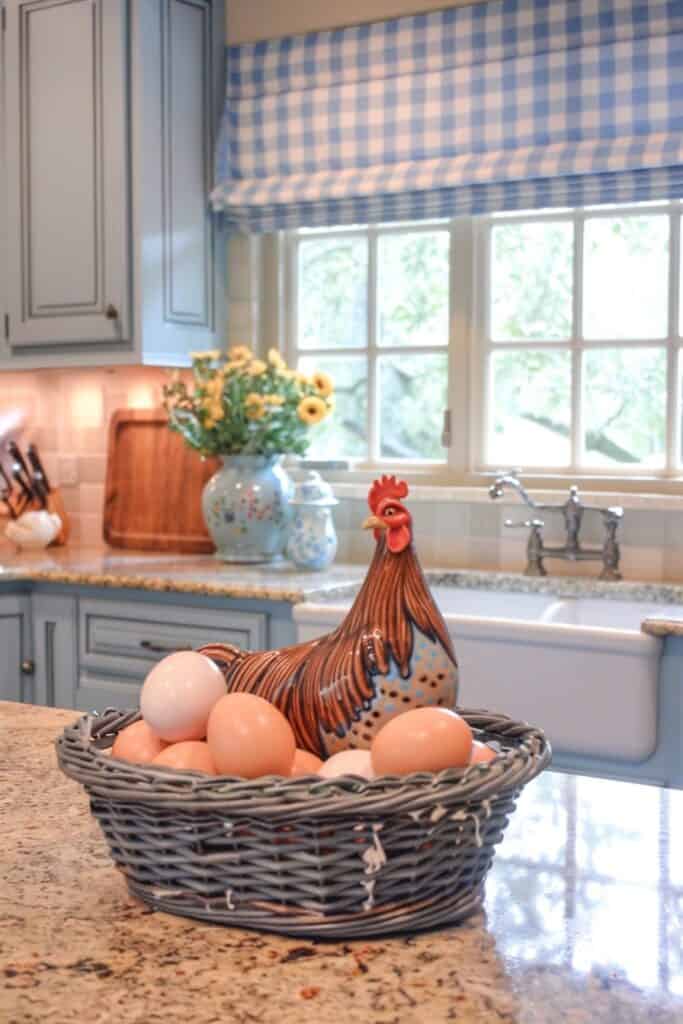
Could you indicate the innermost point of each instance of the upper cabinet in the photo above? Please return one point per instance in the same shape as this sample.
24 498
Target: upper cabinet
110 111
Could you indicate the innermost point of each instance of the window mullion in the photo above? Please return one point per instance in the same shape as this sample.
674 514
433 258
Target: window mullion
673 398
373 382
576 455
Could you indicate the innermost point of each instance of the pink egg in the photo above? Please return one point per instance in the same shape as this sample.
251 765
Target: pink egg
348 762
305 763
422 740
178 695
481 753
137 743
249 737
190 756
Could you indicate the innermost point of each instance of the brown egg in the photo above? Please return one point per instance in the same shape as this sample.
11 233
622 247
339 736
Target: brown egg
422 740
189 756
249 737
305 763
137 743
480 753
348 762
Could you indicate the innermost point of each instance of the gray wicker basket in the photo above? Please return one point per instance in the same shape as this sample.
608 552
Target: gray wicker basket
306 857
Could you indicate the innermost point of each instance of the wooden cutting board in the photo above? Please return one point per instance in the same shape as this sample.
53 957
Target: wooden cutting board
152 497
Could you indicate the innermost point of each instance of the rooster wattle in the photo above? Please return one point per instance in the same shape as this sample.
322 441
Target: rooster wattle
391 653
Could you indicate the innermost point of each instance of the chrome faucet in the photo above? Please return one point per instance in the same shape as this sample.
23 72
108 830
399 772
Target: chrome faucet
572 511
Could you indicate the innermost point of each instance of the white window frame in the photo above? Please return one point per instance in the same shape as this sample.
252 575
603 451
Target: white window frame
483 346
464 463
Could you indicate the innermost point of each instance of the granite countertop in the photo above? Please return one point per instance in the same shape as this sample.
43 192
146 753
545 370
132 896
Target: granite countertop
663 626
583 922
203 575
184 574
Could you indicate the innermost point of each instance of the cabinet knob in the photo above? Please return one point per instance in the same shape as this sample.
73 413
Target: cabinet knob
111 312
28 667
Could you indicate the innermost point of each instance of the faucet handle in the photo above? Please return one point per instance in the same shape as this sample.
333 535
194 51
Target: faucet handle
612 515
530 524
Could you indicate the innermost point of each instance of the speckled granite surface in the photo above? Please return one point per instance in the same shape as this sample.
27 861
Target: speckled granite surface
583 922
204 575
183 574
561 586
664 627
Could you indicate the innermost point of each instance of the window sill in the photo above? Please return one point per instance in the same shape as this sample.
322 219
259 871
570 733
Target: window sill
653 495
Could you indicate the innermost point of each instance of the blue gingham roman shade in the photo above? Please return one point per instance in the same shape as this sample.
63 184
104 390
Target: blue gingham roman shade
514 104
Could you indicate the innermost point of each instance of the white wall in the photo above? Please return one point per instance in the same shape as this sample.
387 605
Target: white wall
249 20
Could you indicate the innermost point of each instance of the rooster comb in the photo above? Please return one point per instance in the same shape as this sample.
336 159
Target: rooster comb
386 487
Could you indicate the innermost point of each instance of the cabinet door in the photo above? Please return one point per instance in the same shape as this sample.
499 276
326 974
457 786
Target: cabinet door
66 160
54 649
178 84
15 645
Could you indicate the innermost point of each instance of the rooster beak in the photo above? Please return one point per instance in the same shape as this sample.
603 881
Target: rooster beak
374 523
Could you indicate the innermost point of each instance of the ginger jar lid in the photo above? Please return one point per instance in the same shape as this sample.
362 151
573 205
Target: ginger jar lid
314 492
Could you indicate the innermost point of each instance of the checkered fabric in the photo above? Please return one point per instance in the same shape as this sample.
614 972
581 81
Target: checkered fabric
514 104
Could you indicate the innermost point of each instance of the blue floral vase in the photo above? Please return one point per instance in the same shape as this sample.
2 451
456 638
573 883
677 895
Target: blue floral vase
246 508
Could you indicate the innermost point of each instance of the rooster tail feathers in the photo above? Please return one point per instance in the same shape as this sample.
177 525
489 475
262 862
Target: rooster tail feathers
226 656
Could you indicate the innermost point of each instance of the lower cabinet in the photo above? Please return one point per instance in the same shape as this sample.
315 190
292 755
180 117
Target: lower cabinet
54 649
73 648
119 642
15 648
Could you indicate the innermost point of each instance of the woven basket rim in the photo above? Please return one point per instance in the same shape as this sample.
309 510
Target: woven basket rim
79 751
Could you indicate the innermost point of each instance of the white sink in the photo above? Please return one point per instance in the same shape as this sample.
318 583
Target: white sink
578 667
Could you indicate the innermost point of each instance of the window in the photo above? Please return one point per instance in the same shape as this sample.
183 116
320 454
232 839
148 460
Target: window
372 308
554 338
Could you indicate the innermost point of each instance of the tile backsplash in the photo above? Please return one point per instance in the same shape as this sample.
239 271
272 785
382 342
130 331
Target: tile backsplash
472 535
68 412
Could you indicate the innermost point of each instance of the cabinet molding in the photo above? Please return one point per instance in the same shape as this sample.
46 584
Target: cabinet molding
54 649
111 111
15 648
187 143
66 105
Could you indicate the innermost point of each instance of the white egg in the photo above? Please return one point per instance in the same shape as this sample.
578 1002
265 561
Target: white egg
178 695
348 762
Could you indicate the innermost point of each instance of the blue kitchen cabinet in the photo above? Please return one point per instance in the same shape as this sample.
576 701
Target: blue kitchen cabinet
110 113
90 648
15 647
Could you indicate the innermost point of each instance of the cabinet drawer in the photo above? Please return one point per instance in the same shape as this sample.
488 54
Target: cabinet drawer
126 639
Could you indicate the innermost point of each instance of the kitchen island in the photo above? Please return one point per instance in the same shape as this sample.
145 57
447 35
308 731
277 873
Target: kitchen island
583 921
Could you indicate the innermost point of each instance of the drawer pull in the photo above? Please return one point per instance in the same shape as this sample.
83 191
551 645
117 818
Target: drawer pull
149 645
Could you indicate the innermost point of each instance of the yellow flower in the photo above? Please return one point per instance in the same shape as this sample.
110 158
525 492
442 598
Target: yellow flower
255 406
276 360
212 353
214 386
312 409
274 399
233 366
256 368
240 353
216 413
323 383
214 408
301 378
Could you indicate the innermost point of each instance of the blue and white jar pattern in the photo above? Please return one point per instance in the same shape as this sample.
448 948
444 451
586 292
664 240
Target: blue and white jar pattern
313 539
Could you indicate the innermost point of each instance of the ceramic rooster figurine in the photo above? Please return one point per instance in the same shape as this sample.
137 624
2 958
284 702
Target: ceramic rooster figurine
391 653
